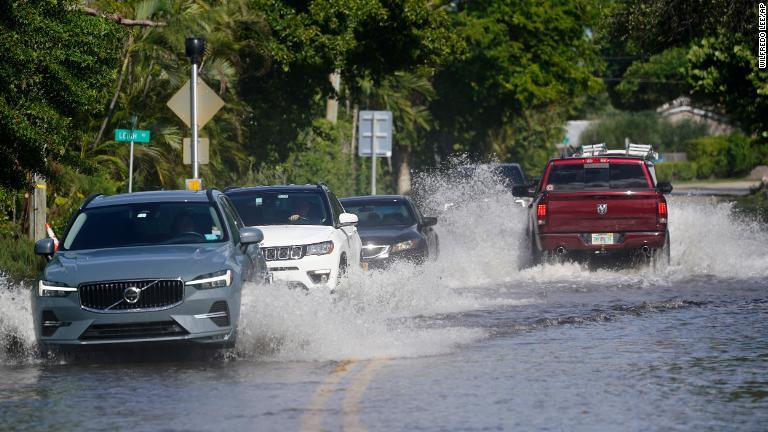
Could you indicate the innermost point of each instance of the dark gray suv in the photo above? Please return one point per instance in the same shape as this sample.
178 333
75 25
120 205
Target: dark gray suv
147 267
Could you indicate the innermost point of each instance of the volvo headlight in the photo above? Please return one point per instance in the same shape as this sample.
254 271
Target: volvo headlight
219 279
408 244
322 248
53 289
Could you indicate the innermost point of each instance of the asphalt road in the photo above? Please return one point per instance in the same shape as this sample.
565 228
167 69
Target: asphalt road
470 342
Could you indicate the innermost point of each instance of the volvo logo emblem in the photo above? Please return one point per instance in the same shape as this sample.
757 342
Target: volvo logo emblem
602 209
131 294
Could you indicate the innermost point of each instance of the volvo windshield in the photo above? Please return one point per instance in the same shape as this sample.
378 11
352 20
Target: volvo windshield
144 224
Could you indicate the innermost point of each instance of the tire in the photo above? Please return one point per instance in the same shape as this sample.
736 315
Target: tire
536 256
662 257
342 269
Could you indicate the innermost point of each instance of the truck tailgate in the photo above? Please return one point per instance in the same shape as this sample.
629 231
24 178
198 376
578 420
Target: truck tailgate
594 212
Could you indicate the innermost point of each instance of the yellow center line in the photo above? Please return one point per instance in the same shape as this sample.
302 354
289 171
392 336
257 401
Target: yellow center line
313 418
355 392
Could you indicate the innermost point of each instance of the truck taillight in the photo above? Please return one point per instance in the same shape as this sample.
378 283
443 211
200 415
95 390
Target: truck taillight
541 213
662 212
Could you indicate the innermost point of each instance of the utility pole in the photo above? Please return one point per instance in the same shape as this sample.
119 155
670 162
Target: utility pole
37 210
195 48
332 105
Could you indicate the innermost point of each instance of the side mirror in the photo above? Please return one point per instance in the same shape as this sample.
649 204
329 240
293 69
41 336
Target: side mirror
251 235
347 219
664 187
520 191
45 247
429 221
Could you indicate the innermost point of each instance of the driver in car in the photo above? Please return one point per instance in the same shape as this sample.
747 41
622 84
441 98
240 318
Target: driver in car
301 211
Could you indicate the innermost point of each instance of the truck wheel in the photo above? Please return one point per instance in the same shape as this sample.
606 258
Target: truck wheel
536 254
662 257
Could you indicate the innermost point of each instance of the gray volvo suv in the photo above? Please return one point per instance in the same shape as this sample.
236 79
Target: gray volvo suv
147 267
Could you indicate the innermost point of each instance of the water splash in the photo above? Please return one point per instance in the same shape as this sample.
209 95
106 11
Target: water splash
399 312
17 337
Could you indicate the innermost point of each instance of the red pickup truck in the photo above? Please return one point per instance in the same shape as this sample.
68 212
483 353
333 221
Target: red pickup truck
600 205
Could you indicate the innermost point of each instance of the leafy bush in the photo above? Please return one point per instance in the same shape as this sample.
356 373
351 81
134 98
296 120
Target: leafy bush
17 254
723 156
710 154
69 189
669 171
742 155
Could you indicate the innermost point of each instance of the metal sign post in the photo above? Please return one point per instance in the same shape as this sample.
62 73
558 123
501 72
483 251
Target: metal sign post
374 138
130 163
195 47
133 136
373 155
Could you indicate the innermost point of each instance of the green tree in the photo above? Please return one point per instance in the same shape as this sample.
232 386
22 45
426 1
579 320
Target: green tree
707 49
55 66
527 63
289 56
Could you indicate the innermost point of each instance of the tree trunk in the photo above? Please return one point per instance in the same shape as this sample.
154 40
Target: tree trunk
112 104
403 164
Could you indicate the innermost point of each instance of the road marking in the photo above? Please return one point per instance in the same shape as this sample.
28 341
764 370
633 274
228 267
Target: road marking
313 418
351 405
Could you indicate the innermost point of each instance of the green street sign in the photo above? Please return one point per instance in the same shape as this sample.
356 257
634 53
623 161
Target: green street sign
137 135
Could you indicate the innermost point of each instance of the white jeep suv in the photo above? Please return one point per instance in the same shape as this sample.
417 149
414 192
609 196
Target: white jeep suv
309 240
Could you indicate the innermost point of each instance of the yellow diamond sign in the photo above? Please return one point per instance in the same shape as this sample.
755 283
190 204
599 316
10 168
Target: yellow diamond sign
208 103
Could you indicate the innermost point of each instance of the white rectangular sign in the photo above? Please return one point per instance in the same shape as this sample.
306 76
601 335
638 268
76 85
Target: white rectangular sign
202 151
375 125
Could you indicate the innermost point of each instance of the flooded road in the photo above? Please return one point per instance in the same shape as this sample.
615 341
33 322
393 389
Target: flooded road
469 342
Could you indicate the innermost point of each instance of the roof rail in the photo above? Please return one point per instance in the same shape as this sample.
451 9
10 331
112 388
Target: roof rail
88 200
229 188
209 194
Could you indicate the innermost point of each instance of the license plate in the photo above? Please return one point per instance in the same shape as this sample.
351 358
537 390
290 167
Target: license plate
602 239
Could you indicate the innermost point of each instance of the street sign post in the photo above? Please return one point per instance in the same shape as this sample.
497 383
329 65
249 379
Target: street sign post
131 135
203 146
374 138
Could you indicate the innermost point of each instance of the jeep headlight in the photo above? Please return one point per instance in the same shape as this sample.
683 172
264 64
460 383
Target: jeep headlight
219 279
408 244
322 248
53 289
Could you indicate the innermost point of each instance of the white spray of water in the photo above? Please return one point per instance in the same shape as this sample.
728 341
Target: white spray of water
396 313
17 337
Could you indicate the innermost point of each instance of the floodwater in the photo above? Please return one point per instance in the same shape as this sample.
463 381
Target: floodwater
469 342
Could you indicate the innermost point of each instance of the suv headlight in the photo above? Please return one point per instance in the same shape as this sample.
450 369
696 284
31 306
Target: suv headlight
322 248
408 244
219 279
53 289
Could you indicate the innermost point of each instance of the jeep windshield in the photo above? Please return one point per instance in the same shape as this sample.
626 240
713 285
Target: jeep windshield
259 208
597 176
143 224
